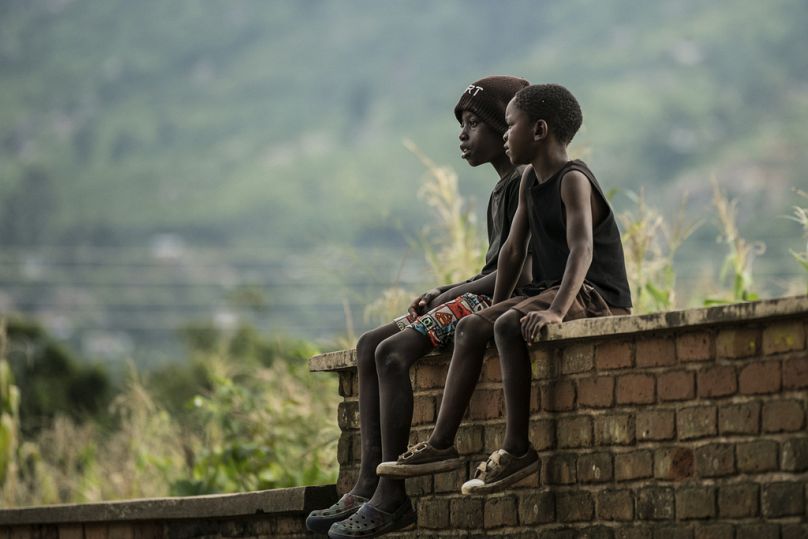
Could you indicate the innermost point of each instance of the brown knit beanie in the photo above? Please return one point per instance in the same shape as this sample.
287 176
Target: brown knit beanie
488 97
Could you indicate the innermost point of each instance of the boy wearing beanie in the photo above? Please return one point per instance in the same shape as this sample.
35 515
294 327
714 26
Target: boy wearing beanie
384 355
578 271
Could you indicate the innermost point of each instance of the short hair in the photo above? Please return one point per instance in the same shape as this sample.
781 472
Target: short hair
555 105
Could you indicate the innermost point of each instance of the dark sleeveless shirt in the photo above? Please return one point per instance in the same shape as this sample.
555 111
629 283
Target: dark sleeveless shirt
548 229
502 206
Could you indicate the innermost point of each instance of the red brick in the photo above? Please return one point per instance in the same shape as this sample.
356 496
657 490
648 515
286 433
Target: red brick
536 508
559 469
614 429
783 416
676 386
574 506
491 370
695 346
783 499
783 337
633 465
713 531
738 500
574 431
673 463
717 382
500 511
635 389
715 460
595 468
759 378
596 392
696 422
466 512
577 358
433 512
486 404
431 375
68 531
739 418
795 373
544 362
423 410
558 396
614 355
695 502
542 434
757 456
655 425
615 505
655 352
469 440
655 503
737 343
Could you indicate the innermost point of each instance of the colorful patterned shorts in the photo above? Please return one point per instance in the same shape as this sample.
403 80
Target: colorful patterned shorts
439 323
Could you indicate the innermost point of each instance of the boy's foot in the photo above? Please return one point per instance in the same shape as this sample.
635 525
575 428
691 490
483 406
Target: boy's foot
421 459
320 521
372 522
501 470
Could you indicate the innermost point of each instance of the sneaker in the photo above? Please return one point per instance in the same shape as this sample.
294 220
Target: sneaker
421 459
501 470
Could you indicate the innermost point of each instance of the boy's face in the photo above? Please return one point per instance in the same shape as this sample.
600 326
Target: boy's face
479 143
519 140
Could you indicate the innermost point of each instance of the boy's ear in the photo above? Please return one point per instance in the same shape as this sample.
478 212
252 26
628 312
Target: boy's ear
540 130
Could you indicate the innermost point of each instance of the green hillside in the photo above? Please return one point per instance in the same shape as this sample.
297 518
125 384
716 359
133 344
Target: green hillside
269 133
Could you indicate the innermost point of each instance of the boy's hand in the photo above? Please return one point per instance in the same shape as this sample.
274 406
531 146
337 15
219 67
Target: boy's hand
533 322
421 303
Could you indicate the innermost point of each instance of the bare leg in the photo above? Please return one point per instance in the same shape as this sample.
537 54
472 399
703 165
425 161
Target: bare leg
471 337
516 378
369 408
394 357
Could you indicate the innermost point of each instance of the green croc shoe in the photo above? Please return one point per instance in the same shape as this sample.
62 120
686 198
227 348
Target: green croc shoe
320 521
370 521
421 459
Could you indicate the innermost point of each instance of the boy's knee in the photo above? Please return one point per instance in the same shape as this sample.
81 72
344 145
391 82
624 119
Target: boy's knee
472 331
508 326
390 358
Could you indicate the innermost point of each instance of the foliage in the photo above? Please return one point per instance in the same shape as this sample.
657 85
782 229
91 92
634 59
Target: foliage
650 246
741 253
9 412
801 216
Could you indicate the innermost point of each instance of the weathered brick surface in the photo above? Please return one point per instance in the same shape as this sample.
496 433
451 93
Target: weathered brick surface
713 531
795 373
466 512
574 506
633 465
715 460
615 504
738 500
783 416
575 431
614 355
739 418
737 342
757 457
717 381
655 352
676 385
694 346
760 378
595 468
536 507
577 358
656 425
500 511
614 429
794 455
596 392
696 422
757 531
486 404
783 499
655 503
559 469
635 389
695 503
673 463
558 396
783 337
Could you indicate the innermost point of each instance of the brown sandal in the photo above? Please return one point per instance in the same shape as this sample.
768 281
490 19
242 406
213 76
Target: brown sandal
501 470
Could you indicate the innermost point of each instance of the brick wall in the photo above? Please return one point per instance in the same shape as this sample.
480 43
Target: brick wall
278 513
684 425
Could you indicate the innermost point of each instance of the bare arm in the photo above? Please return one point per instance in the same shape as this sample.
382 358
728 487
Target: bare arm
512 264
576 193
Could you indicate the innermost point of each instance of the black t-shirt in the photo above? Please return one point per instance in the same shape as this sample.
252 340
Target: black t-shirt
548 230
501 209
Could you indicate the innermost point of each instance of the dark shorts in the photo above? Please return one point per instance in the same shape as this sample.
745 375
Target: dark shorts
439 324
588 304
